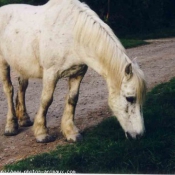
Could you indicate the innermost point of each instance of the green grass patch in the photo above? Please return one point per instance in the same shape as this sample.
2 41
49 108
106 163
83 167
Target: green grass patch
129 43
106 150
138 39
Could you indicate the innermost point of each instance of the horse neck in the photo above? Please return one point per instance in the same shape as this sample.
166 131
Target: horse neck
100 48
112 73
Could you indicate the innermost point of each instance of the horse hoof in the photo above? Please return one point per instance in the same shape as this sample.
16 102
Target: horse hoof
11 133
25 123
77 138
11 130
45 139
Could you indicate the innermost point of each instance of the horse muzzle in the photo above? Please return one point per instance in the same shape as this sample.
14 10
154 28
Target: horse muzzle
134 136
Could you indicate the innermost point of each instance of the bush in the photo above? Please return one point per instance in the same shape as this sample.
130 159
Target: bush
35 2
133 16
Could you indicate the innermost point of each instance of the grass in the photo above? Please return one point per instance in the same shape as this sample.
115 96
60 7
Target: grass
106 150
130 43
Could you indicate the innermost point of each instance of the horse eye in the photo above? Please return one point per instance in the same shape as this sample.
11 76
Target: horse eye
131 99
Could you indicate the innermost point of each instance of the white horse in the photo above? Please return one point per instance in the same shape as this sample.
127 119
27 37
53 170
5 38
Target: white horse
60 39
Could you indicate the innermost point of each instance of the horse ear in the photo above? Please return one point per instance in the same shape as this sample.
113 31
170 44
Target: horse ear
128 71
135 62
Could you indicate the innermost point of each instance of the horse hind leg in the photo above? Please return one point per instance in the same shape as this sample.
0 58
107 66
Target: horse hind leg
11 127
21 112
69 130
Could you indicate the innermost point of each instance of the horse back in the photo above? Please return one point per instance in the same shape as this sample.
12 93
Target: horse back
37 37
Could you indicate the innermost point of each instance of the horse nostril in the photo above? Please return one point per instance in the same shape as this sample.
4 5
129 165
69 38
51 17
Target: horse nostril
139 136
128 136
134 136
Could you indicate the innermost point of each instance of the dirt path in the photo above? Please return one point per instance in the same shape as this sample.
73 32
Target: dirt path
157 60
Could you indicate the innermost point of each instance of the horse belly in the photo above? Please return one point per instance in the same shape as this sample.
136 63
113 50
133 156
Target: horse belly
26 67
29 69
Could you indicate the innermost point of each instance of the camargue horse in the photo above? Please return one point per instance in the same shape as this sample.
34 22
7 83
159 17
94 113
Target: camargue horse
61 39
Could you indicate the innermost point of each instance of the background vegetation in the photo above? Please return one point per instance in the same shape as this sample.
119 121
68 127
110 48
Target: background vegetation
130 17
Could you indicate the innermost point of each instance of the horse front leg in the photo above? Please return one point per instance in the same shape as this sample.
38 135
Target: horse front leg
39 127
69 130
21 112
11 127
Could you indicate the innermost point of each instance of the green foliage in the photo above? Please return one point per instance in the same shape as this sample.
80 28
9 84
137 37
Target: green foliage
35 2
106 150
130 43
136 16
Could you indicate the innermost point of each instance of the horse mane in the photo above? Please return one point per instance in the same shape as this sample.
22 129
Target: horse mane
92 32
140 83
